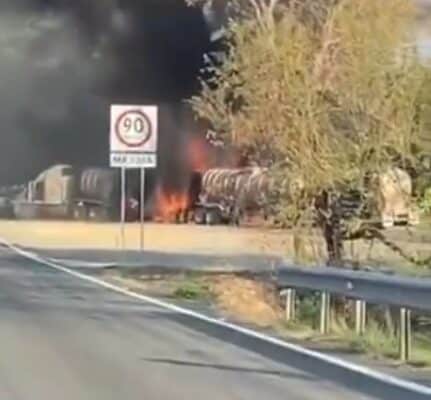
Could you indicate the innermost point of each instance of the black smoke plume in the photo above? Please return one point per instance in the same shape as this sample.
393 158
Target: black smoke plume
63 62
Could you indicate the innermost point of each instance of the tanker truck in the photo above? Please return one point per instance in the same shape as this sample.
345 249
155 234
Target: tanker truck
66 192
225 195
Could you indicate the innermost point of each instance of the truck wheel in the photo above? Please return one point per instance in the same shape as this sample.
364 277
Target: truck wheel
199 216
92 214
212 217
79 213
97 214
236 217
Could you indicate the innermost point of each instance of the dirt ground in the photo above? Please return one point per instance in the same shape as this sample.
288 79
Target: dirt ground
243 298
157 237
247 299
220 240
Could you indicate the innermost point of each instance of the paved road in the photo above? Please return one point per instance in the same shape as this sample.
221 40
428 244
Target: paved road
131 258
63 338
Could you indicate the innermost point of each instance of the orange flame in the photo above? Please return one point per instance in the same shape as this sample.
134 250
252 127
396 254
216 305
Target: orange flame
199 154
170 205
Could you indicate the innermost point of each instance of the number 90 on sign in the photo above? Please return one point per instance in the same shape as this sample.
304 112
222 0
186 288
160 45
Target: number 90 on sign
133 128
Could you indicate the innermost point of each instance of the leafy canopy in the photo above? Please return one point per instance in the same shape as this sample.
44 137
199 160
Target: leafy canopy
321 91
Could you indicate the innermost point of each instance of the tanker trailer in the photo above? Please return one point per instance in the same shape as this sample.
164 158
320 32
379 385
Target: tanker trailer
65 192
392 198
97 195
227 194
385 201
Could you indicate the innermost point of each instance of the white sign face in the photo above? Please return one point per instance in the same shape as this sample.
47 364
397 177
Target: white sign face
133 160
133 129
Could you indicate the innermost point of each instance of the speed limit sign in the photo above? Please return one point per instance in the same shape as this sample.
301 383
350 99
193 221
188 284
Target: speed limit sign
133 140
133 136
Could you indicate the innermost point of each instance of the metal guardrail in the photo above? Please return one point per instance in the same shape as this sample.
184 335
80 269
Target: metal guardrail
407 293
372 287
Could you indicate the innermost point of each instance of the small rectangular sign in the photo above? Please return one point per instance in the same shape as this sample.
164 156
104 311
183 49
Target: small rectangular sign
133 160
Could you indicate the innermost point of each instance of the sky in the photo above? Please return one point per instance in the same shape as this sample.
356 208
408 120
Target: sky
424 29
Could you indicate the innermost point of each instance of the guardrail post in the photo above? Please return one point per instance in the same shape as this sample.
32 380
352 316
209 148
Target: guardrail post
360 316
324 312
405 334
290 304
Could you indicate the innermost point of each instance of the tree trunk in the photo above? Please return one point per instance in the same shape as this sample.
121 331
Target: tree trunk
330 222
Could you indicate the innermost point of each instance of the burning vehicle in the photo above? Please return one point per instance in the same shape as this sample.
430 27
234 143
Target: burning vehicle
229 195
67 192
209 189
226 195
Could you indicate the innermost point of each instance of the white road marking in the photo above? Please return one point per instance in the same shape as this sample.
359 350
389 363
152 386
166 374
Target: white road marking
368 372
85 264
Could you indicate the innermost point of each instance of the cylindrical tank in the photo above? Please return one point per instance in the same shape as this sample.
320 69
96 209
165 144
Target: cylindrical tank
98 184
243 187
101 189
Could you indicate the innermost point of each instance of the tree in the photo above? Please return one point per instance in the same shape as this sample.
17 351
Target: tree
324 92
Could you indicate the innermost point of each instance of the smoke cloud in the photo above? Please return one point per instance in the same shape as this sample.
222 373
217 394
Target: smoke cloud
63 62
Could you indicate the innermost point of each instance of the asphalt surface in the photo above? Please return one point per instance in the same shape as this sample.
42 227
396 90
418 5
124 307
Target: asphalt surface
85 259
64 338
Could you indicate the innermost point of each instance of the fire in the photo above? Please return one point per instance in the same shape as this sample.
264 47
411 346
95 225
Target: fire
170 203
199 154
169 206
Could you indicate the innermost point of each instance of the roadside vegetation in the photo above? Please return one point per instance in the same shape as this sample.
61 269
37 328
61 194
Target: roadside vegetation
246 298
192 288
327 94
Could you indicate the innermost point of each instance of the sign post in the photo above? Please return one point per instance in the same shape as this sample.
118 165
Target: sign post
142 210
123 207
133 143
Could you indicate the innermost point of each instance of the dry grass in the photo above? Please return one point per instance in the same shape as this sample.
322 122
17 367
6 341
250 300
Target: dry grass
251 301
162 237
221 240
190 286
248 300
244 299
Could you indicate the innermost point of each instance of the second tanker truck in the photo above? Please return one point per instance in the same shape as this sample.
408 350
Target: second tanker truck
225 195
67 192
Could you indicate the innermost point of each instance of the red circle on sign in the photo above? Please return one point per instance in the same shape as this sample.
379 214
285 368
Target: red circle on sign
146 136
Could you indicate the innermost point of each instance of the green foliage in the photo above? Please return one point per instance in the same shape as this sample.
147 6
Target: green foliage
191 290
308 308
377 340
323 92
425 101
425 203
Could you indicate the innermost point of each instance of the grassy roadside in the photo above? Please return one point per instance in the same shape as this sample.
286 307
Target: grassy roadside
246 299
242 297
377 343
